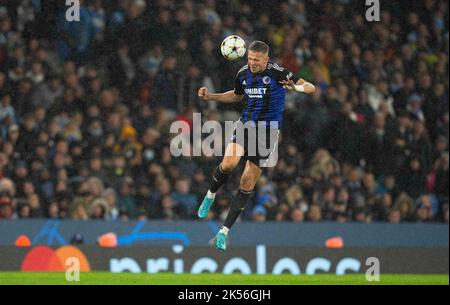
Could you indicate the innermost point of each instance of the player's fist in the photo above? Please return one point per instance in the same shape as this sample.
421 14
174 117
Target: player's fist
203 93
288 84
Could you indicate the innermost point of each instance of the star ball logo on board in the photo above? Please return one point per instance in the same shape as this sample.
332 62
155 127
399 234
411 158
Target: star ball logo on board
68 259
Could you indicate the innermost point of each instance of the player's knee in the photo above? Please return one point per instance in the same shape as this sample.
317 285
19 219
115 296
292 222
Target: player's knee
247 183
228 164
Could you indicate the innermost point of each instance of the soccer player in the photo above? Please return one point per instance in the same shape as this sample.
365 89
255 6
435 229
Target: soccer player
262 85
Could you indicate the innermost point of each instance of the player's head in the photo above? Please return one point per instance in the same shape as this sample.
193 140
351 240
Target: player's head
258 56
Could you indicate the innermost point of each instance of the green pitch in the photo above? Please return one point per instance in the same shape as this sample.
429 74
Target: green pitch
95 278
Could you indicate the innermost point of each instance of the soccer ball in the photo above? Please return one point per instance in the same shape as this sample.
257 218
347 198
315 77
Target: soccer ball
233 47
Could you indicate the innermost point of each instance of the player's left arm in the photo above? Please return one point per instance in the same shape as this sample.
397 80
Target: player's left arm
300 86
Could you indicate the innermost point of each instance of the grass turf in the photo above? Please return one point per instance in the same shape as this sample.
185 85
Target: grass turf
102 278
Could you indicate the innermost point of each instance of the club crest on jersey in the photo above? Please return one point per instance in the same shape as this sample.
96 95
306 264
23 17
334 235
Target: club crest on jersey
266 80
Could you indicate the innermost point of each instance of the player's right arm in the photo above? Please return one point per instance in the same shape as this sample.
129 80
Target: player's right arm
231 96
226 97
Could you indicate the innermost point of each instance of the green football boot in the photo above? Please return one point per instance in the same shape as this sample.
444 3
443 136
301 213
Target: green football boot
204 207
220 241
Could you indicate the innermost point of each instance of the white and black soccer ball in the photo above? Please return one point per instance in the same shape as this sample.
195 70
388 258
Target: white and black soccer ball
233 47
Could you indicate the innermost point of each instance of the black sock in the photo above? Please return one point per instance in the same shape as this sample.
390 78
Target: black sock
237 206
219 177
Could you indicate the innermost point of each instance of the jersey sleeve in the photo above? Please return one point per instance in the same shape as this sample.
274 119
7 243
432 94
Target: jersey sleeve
238 89
285 74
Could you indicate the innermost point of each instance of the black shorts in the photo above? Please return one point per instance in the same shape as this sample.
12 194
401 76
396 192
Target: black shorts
260 143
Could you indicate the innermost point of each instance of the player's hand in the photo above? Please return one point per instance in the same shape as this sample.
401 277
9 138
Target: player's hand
288 84
203 93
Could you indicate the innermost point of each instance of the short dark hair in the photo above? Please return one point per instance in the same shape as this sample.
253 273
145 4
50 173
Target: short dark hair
259 46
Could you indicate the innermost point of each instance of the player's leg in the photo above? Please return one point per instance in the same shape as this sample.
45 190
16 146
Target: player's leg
248 181
233 154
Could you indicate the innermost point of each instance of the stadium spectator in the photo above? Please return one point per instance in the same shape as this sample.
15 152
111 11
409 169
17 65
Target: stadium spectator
184 198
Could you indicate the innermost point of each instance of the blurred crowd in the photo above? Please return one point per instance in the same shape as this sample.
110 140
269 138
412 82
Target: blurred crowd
86 108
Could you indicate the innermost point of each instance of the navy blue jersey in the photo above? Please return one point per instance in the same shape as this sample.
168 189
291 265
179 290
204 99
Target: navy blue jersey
263 94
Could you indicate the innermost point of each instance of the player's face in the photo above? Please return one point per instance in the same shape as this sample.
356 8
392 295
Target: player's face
257 61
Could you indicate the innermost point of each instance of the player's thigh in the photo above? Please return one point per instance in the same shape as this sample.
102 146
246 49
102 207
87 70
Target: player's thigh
251 174
233 154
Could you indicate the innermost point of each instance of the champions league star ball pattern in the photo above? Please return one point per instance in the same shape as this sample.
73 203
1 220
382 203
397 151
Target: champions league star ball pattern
233 47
